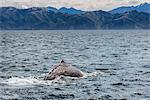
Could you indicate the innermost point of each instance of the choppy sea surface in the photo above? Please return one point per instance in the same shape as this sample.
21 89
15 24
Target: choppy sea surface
116 64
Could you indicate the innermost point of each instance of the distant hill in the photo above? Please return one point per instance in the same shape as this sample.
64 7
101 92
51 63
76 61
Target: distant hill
50 18
129 20
65 10
140 8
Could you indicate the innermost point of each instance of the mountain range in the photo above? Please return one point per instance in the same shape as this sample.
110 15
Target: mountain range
145 7
65 10
71 18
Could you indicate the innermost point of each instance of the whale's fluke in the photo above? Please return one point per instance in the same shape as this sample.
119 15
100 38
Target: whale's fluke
65 70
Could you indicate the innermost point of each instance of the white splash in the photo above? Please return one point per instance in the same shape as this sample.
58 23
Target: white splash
91 74
31 81
25 81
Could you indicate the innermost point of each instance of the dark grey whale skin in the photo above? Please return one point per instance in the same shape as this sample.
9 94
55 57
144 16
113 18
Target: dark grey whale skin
65 70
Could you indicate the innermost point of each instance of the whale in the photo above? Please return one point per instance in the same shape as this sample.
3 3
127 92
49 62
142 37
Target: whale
63 69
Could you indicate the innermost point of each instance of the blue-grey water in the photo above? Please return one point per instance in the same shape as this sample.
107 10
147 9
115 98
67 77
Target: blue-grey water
116 64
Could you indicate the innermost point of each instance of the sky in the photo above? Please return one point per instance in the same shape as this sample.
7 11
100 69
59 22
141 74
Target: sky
78 4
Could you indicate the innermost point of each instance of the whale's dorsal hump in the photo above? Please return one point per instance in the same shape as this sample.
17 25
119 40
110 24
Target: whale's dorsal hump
62 61
63 64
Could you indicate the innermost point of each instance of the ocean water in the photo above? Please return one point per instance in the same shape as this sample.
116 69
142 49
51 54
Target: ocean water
116 64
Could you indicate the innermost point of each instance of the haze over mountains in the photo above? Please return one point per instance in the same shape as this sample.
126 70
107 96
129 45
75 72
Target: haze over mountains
134 17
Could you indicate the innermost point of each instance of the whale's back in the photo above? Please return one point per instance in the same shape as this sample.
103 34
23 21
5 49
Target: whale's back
63 69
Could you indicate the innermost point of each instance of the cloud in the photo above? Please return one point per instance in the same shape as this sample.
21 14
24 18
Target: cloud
133 2
80 4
